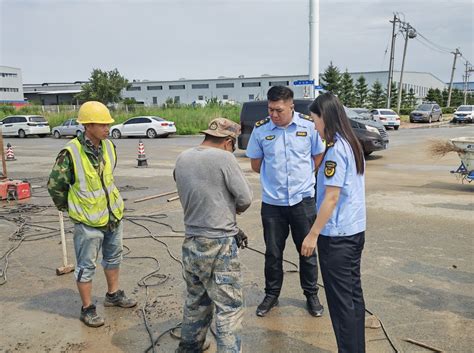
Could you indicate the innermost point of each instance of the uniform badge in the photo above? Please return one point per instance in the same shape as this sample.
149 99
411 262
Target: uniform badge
306 117
330 169
269 137
213 126
262 122
301 133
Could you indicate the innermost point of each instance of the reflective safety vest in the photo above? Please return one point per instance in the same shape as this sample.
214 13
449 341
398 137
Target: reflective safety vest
92 196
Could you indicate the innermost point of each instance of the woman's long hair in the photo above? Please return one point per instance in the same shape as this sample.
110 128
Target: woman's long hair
329 108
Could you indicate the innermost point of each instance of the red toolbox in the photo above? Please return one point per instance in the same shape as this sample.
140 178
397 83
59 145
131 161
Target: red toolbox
14 190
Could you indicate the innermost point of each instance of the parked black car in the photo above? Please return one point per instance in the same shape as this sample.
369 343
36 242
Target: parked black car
371 134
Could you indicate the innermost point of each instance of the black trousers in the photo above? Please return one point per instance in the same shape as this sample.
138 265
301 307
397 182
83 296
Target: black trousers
339 258
277 221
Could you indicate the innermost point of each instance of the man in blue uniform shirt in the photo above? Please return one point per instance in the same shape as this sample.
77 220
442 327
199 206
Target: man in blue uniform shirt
285 149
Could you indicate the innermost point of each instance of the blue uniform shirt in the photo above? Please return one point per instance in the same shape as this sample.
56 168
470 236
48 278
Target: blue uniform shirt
339 169
287 170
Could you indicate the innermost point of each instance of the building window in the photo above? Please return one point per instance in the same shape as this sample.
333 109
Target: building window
155 100
7 89
200 86
176 99
251 97
154 88
134 88
225 96
225 85
250 84
8 74
279 83
177 87
200 98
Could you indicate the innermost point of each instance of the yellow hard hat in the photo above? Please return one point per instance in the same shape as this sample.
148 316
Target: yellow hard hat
93 112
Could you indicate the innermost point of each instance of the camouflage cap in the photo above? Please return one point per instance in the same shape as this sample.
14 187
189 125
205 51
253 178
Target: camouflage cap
222 127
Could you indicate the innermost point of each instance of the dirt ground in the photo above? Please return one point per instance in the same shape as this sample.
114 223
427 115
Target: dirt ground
417 270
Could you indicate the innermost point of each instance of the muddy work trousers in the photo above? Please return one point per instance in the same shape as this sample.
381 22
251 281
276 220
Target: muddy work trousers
213 281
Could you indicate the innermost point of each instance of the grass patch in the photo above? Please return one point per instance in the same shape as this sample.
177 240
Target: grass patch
188 120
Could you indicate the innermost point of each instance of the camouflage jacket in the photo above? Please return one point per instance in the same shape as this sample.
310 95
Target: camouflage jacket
62 175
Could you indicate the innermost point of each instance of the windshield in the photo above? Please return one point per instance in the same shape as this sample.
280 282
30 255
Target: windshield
37 119
424 107
466 108
387 112
157 118
352 114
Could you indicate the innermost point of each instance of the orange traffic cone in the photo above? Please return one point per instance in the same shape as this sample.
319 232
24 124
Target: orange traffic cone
10 154
142 162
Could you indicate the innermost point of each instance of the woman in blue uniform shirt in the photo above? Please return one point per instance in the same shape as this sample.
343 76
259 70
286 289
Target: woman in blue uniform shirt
339 229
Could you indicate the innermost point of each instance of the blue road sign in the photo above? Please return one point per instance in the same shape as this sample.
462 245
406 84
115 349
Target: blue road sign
303 82
318 87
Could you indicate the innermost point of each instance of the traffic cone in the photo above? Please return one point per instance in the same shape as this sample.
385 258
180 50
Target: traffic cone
10 154
141 155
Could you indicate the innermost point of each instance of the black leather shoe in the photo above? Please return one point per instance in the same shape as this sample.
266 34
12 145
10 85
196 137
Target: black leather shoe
314 306
266 305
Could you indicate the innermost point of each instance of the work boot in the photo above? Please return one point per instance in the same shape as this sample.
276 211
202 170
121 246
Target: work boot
266 305
90 318
119 299
205 346
314 306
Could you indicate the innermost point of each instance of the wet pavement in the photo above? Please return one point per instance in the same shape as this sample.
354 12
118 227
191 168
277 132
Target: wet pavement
417 267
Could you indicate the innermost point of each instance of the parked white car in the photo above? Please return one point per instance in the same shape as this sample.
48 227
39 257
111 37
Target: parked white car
149 126
25 125
69 128
464 114
387 117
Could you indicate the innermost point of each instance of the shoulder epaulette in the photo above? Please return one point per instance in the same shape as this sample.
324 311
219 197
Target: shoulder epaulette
262 122
305 117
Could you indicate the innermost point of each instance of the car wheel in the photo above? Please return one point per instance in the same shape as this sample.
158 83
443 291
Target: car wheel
396 127
440 117
430 120
78 133
21 134
151 133
116 134
57 134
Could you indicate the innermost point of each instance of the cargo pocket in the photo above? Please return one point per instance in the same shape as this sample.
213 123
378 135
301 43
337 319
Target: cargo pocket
228 289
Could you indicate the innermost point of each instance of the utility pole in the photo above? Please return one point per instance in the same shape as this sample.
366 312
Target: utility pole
469 69
456 53
409 34
313 45
392 55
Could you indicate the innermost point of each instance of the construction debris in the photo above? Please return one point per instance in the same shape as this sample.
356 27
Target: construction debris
440 148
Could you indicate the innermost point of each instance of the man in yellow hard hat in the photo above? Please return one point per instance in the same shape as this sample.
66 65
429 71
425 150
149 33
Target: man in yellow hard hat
82 184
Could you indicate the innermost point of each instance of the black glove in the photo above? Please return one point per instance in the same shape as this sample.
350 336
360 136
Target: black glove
241 239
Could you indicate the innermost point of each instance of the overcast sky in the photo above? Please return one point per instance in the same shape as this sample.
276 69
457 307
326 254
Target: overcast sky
63 40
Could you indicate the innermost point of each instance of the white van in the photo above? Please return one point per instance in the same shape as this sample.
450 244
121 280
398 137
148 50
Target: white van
24 125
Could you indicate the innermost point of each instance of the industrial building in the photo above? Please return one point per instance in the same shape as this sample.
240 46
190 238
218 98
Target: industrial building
224 89
11 86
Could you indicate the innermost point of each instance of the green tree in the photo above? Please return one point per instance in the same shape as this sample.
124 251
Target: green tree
444 95
393 95
457 97
376 96
434 95
346 90
411 98
103 86
331 79
361 93
405 103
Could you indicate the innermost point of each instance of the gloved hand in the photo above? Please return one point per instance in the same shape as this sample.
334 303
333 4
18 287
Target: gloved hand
241 239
